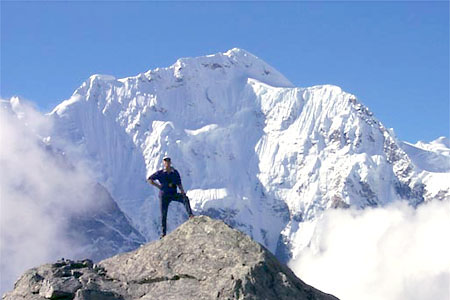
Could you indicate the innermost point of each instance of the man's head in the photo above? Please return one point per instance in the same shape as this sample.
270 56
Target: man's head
167 162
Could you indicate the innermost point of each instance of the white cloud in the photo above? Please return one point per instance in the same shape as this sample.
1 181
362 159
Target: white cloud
39 192
389 253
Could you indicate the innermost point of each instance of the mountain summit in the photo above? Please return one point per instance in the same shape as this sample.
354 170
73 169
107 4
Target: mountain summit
202 259
266 157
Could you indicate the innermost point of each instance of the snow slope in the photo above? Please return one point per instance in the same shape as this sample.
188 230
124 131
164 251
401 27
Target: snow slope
433 156
432 160
265 156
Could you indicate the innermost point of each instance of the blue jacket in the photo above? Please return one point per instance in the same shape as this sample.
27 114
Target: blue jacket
168 181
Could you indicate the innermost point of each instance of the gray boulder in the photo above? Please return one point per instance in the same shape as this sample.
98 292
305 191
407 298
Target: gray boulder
202 259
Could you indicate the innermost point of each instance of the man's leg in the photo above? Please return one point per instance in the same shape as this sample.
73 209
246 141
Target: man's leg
164 205
185 200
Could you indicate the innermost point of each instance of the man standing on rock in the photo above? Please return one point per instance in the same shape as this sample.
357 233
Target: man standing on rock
169 179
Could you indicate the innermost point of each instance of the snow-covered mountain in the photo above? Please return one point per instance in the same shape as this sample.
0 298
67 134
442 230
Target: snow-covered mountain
263 155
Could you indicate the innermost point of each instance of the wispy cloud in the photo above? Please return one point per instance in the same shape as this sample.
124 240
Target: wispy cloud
391 253
40 190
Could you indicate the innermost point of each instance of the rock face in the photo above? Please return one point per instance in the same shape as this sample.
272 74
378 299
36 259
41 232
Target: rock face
105 230
202 259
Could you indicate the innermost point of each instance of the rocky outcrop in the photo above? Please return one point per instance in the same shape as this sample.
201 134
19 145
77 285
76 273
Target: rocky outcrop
202 259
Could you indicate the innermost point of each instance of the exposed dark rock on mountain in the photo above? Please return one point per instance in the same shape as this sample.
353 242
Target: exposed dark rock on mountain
202 259
103 230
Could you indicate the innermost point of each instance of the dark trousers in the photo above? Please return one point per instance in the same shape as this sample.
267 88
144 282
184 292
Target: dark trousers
164 201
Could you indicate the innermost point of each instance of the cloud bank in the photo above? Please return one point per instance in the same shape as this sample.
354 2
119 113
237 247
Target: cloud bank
391 253
40 189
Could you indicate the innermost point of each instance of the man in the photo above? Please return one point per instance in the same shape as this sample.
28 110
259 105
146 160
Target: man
169 179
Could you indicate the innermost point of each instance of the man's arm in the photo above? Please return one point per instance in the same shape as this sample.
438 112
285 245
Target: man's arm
152 182
152 179
178 182
180 186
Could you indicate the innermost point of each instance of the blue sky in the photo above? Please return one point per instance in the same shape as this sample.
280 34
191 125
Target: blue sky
393 55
